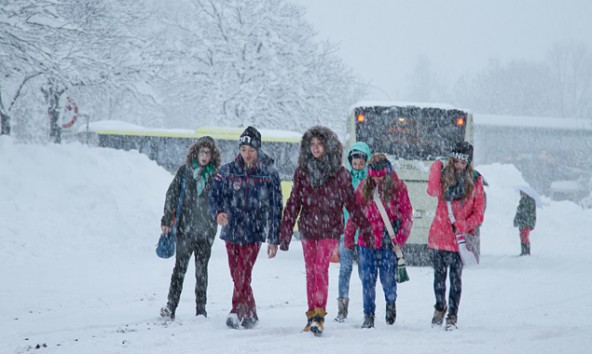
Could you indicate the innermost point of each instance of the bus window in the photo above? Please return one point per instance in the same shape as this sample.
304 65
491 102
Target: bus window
410 133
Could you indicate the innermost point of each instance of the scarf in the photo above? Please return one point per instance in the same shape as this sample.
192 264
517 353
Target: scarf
318 170
457 190
201 175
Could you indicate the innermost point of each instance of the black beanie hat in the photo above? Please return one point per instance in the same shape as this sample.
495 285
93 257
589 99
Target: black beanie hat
252 137
462 151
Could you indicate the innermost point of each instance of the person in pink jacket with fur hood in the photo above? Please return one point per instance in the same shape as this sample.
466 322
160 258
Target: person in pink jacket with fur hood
380 257
459 184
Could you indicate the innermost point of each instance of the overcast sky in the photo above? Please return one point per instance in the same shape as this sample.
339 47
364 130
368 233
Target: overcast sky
383 39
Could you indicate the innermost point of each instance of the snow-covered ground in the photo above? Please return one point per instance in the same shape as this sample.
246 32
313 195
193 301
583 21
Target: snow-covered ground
78 273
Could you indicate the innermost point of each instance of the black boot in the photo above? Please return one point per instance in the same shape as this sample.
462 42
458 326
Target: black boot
368 321
525 249
200 310
391 313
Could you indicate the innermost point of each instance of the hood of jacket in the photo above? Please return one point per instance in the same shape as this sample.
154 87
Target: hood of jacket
331 143
362 147
358 176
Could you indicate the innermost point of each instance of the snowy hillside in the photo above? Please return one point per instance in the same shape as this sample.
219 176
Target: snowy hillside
78 273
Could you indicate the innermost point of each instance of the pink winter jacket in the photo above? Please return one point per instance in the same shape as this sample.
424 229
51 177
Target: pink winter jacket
468 213
399 207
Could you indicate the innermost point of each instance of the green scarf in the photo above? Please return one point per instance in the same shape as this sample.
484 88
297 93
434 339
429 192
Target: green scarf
201 175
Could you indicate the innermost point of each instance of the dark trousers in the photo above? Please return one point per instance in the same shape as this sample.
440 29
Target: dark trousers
442 261
185 248
241 260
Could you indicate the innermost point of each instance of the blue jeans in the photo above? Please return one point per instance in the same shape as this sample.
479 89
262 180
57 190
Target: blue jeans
374 262
346 265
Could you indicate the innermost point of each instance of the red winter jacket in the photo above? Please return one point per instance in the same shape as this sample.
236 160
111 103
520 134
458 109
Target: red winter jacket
321 208
399 208
468 213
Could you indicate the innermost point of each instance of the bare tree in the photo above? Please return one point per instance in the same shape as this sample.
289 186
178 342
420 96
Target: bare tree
571 70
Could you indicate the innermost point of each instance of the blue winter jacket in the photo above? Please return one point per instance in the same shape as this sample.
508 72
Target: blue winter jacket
252 199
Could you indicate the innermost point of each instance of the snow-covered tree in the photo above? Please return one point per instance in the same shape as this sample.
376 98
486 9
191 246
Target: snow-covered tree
85 46
243 62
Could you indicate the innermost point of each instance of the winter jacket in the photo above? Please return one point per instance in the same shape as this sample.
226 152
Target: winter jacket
357 176
320 206
252 198
195 220
398 208
526 213
468 213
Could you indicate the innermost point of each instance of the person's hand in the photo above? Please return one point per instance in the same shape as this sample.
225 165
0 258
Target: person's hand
222 219
271 250
165 229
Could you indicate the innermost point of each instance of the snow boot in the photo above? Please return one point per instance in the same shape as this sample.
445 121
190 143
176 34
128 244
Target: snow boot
309 316
318 321
368 321
391 313
451 322
232 321
250 322
200 310
342 305
438 316
167 312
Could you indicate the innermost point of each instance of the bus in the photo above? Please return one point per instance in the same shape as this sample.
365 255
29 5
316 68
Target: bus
168 147
413 136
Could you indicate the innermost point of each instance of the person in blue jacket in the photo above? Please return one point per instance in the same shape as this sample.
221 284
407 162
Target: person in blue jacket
246 200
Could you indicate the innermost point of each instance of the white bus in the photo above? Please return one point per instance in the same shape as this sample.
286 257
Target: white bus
413 136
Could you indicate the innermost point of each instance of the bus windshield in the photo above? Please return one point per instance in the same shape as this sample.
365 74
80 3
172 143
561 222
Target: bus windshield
410 132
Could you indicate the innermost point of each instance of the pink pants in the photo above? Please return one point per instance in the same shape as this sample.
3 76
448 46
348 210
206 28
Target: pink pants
241 259
524 233
317 256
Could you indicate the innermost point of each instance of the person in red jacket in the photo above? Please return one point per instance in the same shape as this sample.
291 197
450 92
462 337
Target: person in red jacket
392 193
460 185
322 188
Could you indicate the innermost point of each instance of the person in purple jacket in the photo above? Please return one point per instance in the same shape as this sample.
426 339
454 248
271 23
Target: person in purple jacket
322 188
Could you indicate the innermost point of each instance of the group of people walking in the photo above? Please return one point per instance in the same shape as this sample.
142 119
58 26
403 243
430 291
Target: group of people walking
350 208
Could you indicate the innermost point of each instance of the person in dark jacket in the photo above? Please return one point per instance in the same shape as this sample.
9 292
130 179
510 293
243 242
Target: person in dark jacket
246 199
196 229
322 188
525 221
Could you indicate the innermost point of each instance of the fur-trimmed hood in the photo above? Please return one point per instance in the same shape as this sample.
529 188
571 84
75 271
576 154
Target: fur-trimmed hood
193 153
331 143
